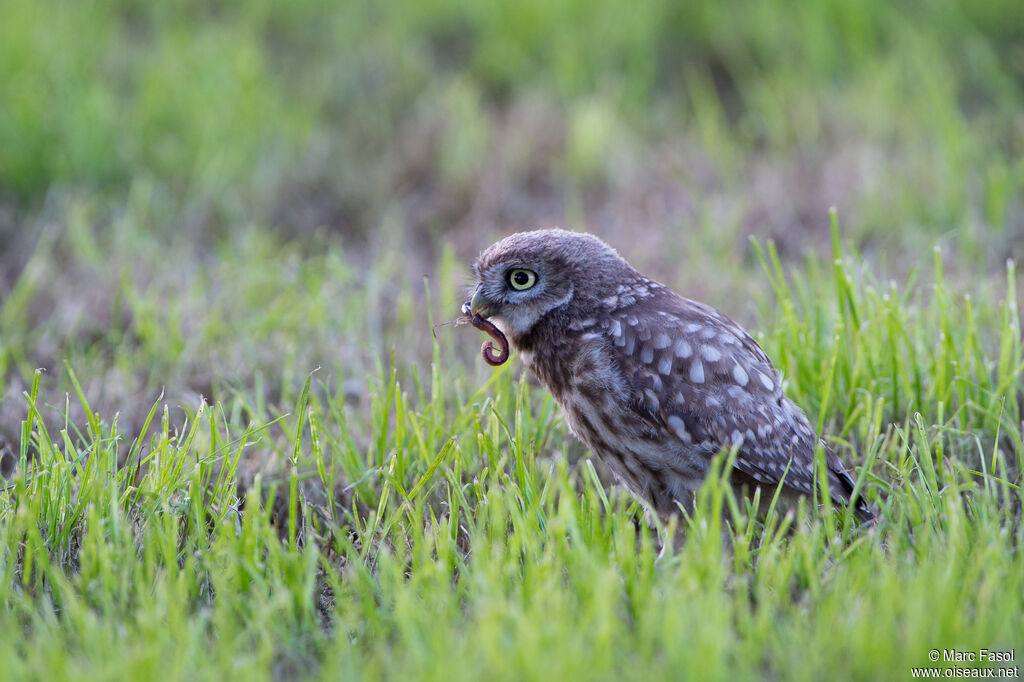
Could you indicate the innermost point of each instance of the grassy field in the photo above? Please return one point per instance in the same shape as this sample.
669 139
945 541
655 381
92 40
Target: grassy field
244 438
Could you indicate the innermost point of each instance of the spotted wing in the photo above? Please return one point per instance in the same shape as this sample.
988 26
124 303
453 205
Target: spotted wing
695 373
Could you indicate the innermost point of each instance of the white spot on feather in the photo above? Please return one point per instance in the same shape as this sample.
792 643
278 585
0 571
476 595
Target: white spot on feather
736 393
665 364
662 341
740 374
682 349
710 353
652 400
679 427
697 372
647 354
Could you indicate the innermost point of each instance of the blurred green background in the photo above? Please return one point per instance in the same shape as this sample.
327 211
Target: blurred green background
194 195
312 115
201 203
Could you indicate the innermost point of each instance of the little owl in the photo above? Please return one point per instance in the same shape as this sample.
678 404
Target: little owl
653 383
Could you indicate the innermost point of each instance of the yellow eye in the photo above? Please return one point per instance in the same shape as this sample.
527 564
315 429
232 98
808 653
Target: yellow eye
521 279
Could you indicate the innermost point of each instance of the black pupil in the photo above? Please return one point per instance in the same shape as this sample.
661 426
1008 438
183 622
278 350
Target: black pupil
520 278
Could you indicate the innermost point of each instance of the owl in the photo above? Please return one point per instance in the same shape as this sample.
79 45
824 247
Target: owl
654 384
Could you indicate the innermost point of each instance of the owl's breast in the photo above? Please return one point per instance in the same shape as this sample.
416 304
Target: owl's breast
571 362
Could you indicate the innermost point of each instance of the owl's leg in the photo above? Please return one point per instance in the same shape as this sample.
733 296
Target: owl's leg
671 537
673 527
673 523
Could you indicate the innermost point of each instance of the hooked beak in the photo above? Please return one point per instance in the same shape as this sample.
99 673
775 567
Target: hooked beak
480 305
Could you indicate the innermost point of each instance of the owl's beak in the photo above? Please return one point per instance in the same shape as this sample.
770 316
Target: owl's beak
480 305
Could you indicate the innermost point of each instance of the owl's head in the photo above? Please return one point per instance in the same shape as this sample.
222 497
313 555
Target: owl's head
527 275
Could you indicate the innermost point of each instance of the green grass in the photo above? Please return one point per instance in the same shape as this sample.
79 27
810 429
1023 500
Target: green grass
445 529
251 443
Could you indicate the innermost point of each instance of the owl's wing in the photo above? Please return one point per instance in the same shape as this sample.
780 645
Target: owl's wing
695 373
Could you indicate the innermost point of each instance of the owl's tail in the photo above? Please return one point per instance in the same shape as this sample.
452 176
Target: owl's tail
842 488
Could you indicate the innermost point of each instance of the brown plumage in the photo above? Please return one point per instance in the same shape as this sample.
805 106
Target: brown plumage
653 383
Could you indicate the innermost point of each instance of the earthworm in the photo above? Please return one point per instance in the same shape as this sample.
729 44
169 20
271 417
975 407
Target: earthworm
492 356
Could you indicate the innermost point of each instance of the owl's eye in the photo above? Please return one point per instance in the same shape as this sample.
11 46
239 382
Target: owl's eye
522 279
